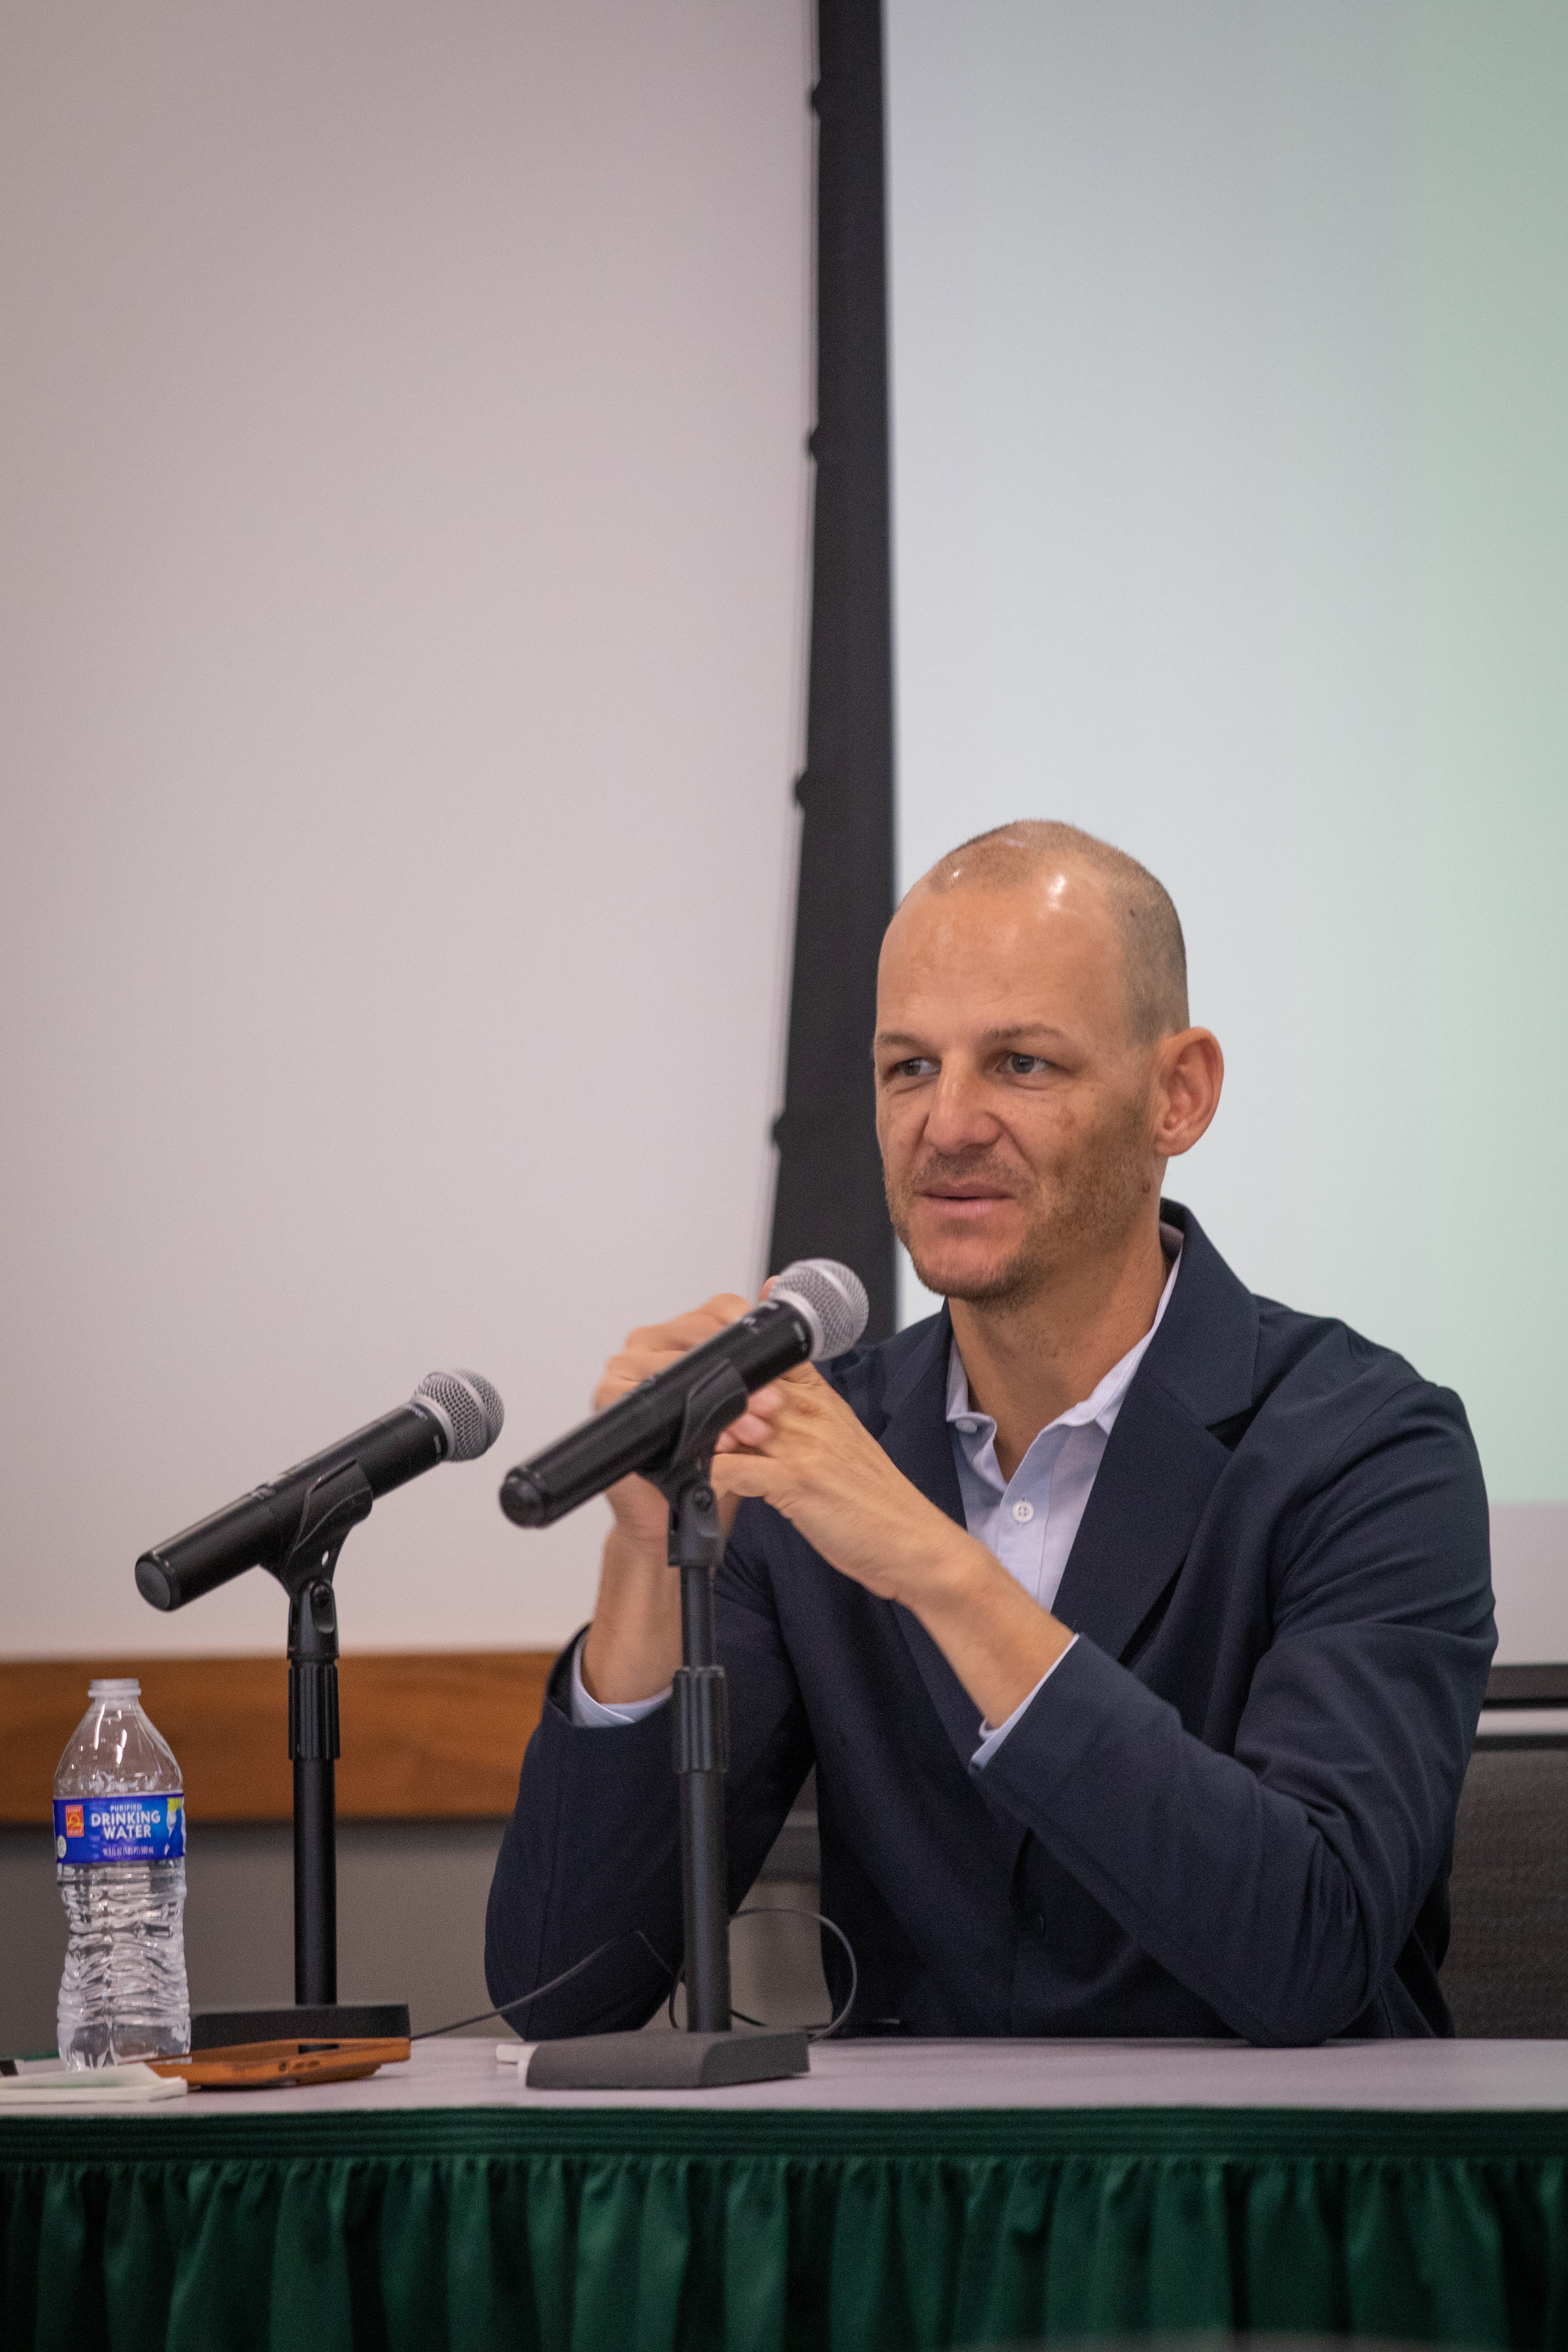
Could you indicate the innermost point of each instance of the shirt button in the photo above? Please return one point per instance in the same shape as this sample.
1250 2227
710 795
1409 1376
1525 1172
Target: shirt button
967 1427
1023 1511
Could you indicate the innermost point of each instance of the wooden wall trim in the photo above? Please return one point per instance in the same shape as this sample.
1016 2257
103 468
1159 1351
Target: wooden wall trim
437 1735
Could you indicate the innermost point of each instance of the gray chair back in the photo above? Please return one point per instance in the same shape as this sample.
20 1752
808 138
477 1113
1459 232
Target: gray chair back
1506 1974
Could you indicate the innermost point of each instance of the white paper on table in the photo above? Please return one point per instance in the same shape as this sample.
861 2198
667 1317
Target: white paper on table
134 2086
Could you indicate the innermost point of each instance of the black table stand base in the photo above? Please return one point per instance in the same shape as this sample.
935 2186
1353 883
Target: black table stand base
332 1508
710 2051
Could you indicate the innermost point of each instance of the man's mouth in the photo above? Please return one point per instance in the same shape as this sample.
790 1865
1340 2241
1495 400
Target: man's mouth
965 1199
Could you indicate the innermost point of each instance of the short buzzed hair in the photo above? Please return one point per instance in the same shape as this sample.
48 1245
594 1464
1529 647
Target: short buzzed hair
1153 953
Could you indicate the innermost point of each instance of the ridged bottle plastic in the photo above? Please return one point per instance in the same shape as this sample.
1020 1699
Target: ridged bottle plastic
119 1850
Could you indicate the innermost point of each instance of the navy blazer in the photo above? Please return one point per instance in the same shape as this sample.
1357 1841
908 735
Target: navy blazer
1228 1810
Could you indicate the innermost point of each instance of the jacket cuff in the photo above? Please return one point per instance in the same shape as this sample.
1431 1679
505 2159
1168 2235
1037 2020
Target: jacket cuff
991 1740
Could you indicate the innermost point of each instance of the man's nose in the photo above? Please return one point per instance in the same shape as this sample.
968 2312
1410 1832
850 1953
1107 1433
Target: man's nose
959 1117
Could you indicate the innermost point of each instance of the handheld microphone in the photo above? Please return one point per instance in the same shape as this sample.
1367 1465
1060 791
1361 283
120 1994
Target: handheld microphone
450 1417
816 1309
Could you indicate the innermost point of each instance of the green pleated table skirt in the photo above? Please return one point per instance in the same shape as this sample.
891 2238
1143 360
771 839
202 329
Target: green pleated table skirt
654 2230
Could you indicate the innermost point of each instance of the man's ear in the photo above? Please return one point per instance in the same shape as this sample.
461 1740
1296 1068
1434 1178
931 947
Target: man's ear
1187 1090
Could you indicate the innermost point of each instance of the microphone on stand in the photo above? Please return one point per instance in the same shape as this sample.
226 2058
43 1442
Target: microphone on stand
816 1309
665 1429
295 1527
450 1417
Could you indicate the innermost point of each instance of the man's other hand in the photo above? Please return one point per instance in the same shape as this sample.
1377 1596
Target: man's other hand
799 1448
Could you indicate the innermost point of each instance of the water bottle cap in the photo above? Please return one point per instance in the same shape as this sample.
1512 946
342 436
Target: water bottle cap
113 1686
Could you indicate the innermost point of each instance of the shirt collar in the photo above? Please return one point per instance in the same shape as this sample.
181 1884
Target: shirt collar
1104 1402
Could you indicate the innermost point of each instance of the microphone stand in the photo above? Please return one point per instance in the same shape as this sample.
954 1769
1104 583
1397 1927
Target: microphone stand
333 1506
701 1721
711 2049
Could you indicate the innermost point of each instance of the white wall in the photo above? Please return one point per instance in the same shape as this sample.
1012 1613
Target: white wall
403 524
1230 368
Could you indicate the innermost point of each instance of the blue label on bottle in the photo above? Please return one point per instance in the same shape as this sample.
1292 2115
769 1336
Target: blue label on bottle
120 1829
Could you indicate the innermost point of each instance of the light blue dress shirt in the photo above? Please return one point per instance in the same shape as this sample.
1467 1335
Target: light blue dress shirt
1027 1521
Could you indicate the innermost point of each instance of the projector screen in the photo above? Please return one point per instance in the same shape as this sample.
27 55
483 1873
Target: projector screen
404 515
1230 426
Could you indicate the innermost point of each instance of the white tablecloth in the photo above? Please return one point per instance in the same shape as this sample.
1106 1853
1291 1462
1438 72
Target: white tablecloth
914 2076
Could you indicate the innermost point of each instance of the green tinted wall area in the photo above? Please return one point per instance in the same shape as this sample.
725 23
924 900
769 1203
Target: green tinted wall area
1230 367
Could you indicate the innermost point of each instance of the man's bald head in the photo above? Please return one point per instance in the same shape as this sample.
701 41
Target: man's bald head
1154 953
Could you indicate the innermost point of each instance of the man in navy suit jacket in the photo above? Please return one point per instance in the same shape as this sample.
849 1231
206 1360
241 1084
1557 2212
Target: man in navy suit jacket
1197 1774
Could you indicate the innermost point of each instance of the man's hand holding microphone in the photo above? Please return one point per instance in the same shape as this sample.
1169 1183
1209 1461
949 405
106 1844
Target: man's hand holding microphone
633 1646
796 1445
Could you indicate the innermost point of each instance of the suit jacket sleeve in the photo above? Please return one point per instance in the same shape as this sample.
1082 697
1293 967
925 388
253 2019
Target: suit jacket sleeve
1281 1881
592 1852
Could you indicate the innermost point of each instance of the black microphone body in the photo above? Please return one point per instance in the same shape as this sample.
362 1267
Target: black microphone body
451 1416
259 1530
639 1432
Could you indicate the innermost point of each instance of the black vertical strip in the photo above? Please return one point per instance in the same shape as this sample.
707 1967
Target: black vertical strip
829 1201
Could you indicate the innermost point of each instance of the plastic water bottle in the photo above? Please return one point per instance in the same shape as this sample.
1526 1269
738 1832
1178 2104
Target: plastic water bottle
119 1850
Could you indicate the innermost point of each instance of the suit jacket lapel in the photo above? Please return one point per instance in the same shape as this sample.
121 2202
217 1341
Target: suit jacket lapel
1157 1473
1159 1469
917 1442
1162 1461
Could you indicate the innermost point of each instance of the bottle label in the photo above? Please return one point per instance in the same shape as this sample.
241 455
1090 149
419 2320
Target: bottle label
120 1829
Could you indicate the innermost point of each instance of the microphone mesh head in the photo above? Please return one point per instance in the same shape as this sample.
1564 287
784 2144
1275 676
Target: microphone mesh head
832 1299
470 1406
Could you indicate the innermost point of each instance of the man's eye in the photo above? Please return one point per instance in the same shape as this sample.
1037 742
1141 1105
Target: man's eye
1024 1065
918 1066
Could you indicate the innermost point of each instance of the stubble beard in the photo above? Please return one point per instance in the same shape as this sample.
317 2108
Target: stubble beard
1091 1208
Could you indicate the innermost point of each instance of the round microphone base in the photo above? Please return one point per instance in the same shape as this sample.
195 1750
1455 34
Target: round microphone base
667 2062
